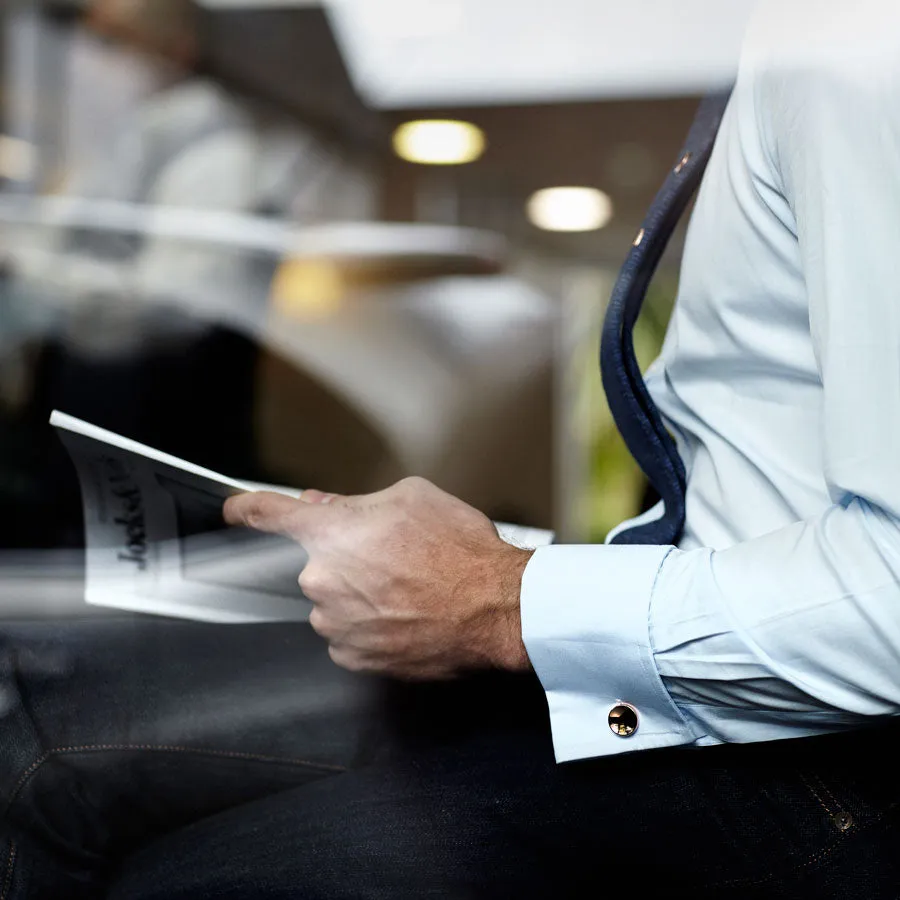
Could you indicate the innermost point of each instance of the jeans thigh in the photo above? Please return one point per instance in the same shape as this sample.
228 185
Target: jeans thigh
115 731
492 815
811 818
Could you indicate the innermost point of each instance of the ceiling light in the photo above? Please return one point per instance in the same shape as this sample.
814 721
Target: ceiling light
439 142
569 209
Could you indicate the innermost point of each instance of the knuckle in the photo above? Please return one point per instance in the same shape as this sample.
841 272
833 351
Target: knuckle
323 626
255 512
413 484
318 622
312 581
252 517
345 659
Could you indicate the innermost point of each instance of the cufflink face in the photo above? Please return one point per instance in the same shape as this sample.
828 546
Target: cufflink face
623 719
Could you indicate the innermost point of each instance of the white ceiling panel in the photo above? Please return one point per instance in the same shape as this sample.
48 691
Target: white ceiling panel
409 53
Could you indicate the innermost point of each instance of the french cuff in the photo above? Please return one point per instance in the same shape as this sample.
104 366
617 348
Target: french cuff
585 626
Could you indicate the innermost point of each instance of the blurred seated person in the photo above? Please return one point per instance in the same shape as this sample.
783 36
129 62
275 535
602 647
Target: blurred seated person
152 336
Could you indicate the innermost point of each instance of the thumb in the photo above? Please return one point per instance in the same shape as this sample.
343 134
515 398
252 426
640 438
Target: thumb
272 512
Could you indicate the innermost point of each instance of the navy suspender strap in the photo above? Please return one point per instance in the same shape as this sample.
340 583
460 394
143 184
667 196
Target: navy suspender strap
633 410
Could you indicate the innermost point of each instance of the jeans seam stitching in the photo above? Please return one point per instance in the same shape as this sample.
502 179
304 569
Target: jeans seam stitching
812 860
838 805
816 857
815 794
161 748
10 867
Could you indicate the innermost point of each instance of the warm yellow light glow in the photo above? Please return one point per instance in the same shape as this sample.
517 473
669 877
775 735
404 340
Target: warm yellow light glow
569 209
439 142
307 288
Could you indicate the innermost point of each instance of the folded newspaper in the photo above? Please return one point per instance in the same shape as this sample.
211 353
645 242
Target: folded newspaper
156 542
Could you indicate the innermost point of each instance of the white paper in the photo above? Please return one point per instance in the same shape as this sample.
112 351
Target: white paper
156 542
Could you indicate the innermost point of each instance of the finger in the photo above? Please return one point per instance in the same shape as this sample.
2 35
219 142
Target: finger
346 659
262 510
316 620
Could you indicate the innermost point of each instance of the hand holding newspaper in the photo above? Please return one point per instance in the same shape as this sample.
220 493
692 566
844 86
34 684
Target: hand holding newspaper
156 542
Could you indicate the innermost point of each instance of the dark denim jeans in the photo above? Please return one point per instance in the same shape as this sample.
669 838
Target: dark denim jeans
146 758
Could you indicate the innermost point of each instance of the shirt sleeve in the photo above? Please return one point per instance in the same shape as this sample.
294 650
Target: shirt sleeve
796 632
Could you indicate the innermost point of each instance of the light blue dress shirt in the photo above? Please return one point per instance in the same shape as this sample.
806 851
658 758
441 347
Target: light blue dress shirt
778 615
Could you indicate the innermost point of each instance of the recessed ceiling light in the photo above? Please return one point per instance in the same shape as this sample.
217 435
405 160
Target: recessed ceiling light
439 142
569 209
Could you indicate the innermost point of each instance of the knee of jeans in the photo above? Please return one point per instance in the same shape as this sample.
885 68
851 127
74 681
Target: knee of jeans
57 811
22 747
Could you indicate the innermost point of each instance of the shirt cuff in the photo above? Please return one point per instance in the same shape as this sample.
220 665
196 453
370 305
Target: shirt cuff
585 613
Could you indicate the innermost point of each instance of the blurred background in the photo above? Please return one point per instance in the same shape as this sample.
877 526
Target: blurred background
333 243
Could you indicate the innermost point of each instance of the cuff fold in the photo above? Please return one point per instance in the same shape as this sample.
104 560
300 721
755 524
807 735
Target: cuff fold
585 626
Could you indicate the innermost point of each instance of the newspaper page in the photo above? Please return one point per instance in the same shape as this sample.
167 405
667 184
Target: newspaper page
156 542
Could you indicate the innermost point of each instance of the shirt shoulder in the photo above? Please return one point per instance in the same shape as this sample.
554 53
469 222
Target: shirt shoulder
817 77
823 45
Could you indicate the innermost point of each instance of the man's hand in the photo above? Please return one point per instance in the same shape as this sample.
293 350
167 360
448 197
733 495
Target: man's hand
409 582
